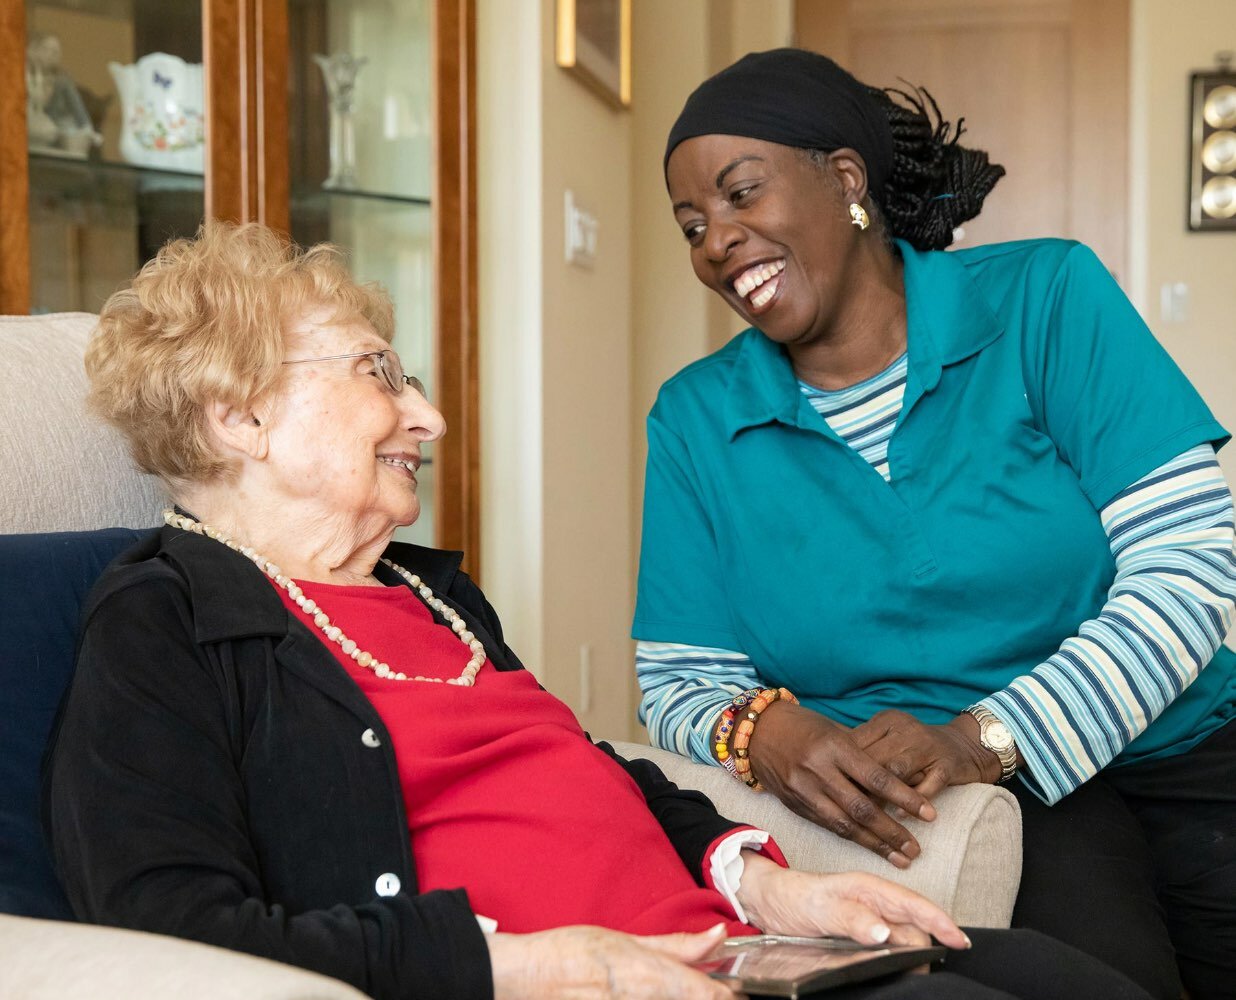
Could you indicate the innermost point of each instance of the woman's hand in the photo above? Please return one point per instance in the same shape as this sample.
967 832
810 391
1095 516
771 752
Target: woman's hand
814 766
584 962
864 907
928 757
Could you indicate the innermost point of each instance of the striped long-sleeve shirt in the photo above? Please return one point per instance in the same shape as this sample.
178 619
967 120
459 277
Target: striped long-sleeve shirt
1169 608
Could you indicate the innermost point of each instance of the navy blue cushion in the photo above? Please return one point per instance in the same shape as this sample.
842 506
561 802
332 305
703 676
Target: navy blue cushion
44 578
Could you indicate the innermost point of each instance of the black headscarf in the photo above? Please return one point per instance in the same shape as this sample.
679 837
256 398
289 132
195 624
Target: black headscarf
795 98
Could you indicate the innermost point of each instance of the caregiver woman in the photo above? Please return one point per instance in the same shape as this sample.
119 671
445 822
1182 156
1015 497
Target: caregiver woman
961 507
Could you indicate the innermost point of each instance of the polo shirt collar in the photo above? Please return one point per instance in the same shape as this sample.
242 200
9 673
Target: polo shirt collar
947 315
948 320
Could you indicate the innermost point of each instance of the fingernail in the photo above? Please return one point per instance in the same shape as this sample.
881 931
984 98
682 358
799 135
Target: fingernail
719 926
880 933
928 812
969 943
910 849
899 859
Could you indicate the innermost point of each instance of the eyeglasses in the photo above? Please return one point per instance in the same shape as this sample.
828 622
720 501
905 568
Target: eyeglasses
387 363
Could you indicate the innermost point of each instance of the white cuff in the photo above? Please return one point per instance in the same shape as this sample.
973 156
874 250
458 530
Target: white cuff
726 865
488 924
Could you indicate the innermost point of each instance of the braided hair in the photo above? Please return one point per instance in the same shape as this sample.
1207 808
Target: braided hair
922 183
935 184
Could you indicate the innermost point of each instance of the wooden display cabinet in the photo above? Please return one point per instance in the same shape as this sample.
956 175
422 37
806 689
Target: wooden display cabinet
95 218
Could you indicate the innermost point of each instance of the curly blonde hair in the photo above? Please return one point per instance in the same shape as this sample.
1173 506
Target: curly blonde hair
203 322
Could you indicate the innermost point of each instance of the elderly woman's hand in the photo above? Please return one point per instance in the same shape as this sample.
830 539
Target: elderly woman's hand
864 907
814 766
928 757
583 962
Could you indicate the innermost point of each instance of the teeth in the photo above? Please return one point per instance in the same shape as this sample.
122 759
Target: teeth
398 463
762 297
755 276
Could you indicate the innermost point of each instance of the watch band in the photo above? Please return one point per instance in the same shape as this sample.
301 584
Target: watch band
996 737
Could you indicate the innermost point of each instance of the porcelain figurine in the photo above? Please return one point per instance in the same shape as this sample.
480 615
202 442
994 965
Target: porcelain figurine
161 99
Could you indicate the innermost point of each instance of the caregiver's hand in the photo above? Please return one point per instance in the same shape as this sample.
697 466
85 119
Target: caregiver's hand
856 905
928 757
812 765
585 962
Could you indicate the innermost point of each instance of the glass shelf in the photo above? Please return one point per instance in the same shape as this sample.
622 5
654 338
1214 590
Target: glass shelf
42 160
118 10
314 196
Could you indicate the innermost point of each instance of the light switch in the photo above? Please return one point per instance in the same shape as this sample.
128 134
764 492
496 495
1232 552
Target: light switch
1174 302
581 233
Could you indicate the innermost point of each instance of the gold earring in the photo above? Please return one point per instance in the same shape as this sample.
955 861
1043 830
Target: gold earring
859 216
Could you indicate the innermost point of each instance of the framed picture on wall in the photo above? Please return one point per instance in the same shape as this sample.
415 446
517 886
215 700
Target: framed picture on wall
594 42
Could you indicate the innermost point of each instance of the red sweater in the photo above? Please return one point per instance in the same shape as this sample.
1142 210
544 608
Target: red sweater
505 795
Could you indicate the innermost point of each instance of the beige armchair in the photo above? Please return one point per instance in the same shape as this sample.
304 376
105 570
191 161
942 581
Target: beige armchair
65 471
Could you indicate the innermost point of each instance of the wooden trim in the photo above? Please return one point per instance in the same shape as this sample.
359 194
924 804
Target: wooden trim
226 135
271 167
14 163
457 456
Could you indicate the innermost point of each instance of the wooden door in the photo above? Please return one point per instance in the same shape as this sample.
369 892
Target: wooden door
1042 85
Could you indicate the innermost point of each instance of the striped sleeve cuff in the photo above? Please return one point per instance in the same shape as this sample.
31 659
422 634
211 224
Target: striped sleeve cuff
1169 608
685 688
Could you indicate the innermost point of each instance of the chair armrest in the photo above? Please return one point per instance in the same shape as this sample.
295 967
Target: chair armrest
971 860
52 959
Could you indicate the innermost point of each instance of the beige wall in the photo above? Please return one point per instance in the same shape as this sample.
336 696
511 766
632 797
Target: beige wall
1169 41
571 358
510 214
676 319
555 364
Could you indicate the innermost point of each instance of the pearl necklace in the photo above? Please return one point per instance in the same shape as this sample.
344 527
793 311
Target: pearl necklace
333 632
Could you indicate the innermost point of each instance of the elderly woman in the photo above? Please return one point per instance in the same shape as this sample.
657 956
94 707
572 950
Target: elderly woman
962 506
290 736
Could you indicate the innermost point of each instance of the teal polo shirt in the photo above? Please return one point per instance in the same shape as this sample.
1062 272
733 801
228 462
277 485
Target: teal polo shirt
1034 395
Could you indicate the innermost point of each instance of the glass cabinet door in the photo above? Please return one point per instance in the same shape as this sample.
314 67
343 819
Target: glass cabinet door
115 138
360 134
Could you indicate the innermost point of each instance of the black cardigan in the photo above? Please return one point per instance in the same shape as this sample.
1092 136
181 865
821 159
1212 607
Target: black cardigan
207 778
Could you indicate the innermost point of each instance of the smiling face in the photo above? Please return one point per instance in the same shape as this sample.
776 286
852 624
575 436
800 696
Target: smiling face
769 230
341 443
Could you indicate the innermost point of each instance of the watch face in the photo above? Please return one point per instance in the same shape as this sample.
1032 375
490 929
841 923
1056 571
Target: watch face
997 736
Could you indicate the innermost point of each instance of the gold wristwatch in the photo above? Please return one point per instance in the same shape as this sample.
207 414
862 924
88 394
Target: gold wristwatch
996 737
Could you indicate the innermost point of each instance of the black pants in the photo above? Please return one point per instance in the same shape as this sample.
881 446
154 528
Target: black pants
1004 965
1138 867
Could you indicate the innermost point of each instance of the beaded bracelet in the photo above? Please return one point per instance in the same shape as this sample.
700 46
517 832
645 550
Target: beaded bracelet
725 728
730 742
721 739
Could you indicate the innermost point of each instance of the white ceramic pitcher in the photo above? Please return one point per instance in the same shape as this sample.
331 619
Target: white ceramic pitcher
161 99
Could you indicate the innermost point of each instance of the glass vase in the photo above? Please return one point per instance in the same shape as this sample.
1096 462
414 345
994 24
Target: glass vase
339 71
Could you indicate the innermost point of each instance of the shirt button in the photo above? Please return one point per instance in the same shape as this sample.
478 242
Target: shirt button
387 884
370 738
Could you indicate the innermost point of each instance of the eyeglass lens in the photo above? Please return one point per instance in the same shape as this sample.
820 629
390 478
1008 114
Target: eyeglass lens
392 370
396 378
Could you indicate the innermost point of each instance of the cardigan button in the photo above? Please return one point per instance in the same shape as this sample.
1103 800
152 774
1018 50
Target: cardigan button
388 884
370 738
